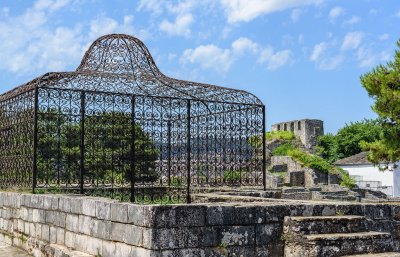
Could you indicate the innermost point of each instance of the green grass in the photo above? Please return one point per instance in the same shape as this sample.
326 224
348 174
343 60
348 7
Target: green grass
281 135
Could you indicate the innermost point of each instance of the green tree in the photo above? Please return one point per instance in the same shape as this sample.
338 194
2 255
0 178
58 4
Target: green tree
347 141
383 86
108 151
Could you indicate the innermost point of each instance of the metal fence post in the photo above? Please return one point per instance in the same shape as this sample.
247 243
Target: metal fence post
35 139
188 152
82 144
133 162
264 167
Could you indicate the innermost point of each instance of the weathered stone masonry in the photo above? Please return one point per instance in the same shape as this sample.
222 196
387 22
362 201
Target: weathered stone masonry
110 228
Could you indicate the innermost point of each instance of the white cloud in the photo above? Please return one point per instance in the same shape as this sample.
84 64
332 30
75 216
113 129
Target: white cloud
295 15
275 60
352 40
209 56
180 27
323 58
318 50
352 20
247 10
154 6
213 57
330 63
30 43
242 44
221 59
368 58
335 13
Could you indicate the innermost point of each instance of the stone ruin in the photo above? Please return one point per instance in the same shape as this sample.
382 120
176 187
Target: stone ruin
308 130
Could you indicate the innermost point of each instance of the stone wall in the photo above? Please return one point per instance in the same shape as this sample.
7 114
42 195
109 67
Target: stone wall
308 130
108 228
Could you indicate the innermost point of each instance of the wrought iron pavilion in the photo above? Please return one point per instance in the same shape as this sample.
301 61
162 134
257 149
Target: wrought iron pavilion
119 127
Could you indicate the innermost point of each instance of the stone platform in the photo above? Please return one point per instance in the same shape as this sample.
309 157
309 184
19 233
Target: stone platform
103 227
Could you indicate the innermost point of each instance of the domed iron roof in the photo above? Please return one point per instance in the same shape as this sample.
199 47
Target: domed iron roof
119 63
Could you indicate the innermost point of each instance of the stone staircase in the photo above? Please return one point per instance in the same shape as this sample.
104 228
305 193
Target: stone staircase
331 236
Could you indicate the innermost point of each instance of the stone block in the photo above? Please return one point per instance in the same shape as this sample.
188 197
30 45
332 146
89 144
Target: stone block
396 212
353 209
108 248
246 215
76 205
38 216
85 224
173 238
50 202
89 207
229 236
100 229
119 212
377 211
60 236
93 246
123 250
64 204
128 234
72 222
53 235
220 215
69 239
268 234
103 210
177 216
140 215
45 236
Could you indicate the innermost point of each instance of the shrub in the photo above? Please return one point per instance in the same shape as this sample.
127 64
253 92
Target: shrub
282 135
283 150
232 176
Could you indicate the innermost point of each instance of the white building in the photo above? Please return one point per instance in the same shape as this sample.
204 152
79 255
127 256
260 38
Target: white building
370 177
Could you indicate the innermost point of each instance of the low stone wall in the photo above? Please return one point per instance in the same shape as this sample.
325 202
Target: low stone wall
108 228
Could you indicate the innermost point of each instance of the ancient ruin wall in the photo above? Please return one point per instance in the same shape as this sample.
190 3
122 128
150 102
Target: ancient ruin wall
108 228
308 130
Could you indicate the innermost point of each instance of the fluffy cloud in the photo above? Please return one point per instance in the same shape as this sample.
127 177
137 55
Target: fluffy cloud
154 6
209 56
323 58
221 59
242 44
352 40
330 63
318 50
335 13
31 44
368 58
180 27
275 60
246 10
352 20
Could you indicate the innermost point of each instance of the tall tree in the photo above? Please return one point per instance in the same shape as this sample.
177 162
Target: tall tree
347 140
383 86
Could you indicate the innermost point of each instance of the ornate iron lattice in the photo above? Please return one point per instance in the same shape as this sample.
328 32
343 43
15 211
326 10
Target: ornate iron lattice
118 127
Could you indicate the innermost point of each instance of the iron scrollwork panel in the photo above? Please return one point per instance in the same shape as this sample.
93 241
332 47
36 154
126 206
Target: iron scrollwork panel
16 140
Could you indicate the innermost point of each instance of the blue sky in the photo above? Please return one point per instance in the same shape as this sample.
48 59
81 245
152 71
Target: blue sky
302 58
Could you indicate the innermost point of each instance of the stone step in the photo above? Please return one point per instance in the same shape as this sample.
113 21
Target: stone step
324 224
339 244
389 254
